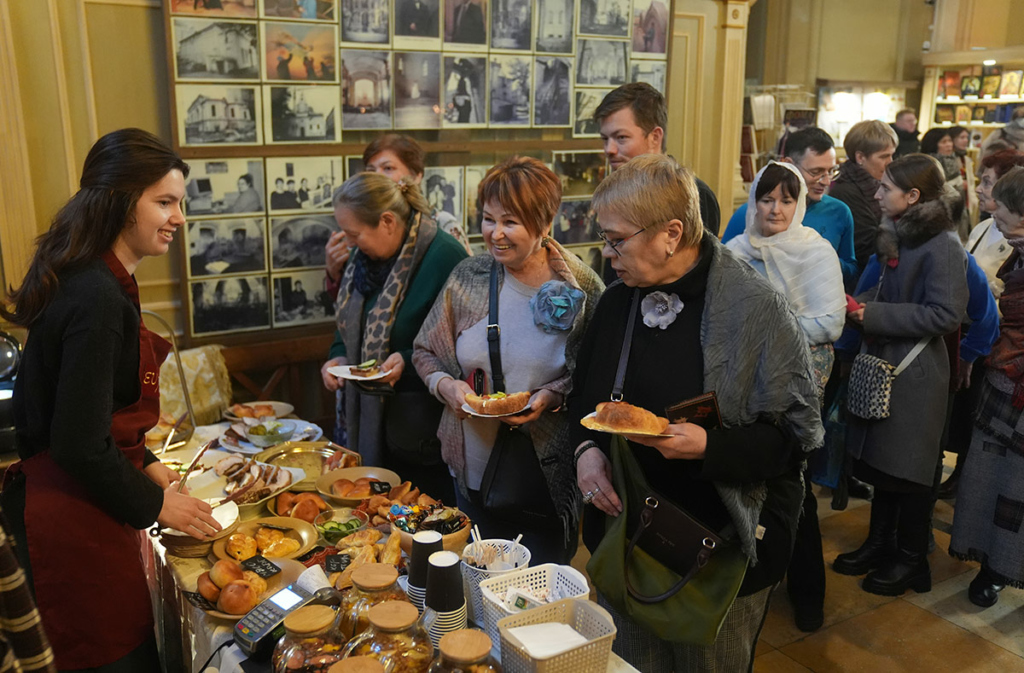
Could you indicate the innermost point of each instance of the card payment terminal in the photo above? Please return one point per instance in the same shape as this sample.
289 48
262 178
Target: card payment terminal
258 632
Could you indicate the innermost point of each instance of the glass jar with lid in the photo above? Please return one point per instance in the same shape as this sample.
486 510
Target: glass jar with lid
465 651
372 584
396 638
311 643
357 665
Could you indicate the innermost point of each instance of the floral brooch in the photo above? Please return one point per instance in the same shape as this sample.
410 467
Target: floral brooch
556 305
660 309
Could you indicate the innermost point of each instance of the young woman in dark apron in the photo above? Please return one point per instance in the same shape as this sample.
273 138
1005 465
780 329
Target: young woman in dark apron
87 392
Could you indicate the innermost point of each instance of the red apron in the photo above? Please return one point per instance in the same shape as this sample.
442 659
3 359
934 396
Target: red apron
97 608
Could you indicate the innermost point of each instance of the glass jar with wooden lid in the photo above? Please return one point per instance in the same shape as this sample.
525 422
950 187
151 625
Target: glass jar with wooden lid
311 643
357 665
396 638
465 651
372 584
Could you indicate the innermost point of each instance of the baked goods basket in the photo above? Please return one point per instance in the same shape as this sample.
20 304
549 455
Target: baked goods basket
592 622
564 581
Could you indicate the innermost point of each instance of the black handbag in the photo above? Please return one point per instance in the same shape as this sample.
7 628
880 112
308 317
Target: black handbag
514 486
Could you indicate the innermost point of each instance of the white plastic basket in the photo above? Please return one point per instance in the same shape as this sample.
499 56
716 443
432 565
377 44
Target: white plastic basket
473 576
567 581
592 622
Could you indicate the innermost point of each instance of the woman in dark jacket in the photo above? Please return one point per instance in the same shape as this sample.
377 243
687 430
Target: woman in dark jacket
921 297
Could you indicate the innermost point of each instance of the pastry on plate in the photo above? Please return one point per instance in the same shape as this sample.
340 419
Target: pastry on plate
365 369
498 404
626 418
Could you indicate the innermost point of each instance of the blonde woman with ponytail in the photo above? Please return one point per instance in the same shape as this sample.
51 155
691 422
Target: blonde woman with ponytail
400 262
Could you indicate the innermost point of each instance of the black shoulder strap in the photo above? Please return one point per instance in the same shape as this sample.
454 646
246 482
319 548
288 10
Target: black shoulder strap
627 341
494 333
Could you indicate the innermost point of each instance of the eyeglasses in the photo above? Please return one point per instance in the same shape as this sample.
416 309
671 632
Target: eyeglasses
820 174
614 245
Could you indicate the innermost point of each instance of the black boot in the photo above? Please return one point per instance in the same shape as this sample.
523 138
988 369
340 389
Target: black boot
983 591
859 489
947 489
880 547
909 570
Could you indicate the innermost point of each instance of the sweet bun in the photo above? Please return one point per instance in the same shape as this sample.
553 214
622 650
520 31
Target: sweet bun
498 404
305 510
237 598
224 572
624 417
342 487
259 585
241 546
208 588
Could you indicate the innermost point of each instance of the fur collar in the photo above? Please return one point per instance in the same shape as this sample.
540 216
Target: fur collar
918 224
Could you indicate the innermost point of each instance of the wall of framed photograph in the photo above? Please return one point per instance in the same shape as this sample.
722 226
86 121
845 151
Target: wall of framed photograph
273 102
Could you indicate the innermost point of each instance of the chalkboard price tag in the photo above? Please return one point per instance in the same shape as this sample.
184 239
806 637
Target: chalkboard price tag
260 566
310 554
337 563
196 599
379 487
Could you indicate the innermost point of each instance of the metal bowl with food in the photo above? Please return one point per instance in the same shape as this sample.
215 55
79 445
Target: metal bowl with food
335 524
271 537
364 482
270 433
314 458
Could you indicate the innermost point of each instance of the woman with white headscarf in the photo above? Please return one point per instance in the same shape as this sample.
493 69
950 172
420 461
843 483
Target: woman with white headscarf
795 259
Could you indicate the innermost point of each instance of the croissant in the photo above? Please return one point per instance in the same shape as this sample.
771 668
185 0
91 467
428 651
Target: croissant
624 417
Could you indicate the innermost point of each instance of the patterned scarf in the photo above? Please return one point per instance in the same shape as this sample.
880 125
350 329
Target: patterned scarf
1007 354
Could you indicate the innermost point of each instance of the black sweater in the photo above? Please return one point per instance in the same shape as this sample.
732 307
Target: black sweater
666 367
80 365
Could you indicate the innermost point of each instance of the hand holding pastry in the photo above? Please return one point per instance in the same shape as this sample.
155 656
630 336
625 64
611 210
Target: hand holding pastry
540 401
688 442
454 393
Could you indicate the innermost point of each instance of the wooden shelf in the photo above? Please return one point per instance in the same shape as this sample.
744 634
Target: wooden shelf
1004 56
975 99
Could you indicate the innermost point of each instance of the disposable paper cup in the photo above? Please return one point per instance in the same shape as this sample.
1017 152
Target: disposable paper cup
444 583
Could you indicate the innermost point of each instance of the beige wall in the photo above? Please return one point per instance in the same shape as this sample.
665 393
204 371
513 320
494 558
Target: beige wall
962 25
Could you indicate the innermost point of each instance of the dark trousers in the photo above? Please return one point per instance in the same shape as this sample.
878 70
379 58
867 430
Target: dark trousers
806 574
143 659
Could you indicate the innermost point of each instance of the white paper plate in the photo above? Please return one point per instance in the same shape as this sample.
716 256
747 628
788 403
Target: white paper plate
469 410
304 432
590 423
281 409
225 515
345 372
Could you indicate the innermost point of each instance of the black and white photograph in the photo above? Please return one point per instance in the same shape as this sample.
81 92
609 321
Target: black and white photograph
365 89
552 96
224 187
607 18
555 20
302 114
465 91
417 24
586 104
215 50
219 247
601 62
574 223
474 174
365 22
510 85
580 172
212 114
465 25
511 25
653 72
353 165
300 298
650 28
300 10
417 90
235 9
302 52
237 304
442 186
298 241
302 183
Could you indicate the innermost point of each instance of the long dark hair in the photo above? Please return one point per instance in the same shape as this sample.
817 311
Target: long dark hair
920 172
119 167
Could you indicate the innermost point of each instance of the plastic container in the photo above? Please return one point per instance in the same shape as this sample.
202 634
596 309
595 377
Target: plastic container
591 620
312 642
566 581
465 651
372 584
473 576
396 638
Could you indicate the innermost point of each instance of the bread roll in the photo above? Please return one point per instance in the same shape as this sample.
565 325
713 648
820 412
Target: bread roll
208 589
305 510
625 418
259 585
342 487
237 598
498 404
241 546
224 572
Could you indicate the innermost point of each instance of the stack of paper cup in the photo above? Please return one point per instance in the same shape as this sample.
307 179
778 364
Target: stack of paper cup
424 543
444 595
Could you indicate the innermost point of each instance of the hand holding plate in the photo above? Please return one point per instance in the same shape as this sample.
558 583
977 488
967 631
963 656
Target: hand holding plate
688 441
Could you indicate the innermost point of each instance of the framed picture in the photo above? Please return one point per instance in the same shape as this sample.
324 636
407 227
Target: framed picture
417 90
944 114
365 89
601 62
237 304
949 84
300 298
220 247
1009 86
796 118
990 85
300 10
354 164
235 9
365 22
224 187
465 25
302 52
552 91
511 25
580 172
604 18
970 86
215 50
575 223
465 91
443 188
302 183
510 86
474 174
653 72
212 114
298 241
418 24
978 113
555 20
963 114
650 28
587 101
302 114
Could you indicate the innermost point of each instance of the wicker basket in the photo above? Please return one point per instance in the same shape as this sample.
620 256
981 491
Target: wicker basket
473 576
543 578
591 620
